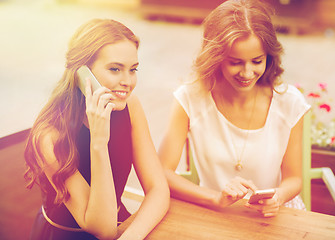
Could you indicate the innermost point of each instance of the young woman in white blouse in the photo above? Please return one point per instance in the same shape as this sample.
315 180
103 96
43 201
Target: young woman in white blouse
243 123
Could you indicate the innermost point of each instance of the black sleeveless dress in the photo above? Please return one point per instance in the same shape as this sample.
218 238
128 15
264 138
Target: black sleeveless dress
121 157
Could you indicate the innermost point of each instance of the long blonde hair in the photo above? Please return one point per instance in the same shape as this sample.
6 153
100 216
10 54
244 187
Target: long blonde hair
65 109
232 20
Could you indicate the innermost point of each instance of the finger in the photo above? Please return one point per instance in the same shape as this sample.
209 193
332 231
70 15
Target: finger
255 206
228 191
98 93
269 209
240 190
268 205
88 97
88 89
109 108
271 201
245 190
103 101
101 90
270 212
266 211
236 193
235 189
249 184
246 183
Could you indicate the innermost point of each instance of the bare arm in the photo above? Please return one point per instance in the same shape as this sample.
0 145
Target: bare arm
292 166
150 174
93 207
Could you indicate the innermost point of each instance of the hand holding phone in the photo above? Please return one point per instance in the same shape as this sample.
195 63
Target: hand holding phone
261 194
83 73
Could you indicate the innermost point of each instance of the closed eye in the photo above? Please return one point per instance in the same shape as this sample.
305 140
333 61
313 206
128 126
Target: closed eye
257 61
114 69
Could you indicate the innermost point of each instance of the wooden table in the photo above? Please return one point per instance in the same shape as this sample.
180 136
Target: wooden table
188 221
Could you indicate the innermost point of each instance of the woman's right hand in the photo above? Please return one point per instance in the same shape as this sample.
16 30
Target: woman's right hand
233 191
98 111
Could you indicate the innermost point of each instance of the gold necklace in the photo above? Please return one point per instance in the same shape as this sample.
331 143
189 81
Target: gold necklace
238 165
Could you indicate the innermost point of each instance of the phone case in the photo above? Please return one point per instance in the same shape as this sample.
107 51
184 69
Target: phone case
83 73
261 194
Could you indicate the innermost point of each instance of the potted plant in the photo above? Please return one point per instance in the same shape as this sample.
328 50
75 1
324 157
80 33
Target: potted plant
323 144
323 118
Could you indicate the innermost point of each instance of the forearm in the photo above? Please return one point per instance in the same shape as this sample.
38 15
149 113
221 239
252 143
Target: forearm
101 212
288 189
186 190
152 210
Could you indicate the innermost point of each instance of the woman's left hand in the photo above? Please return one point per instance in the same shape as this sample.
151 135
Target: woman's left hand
266 207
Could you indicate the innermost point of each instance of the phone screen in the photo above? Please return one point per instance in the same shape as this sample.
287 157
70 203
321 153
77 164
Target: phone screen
83 73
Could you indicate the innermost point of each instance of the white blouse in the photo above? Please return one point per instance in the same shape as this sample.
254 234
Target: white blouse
217 144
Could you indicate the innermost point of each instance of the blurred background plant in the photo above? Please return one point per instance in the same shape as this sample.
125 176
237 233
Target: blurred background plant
323 118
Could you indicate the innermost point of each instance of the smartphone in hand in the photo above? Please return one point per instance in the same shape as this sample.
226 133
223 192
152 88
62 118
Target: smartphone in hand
261 194
83 73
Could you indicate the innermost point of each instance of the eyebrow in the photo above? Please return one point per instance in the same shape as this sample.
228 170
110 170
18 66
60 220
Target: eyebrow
260 56
122 65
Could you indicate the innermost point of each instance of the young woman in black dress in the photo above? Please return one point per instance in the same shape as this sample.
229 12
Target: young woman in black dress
80 149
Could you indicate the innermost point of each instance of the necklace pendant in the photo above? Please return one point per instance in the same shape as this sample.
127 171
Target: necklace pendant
238 167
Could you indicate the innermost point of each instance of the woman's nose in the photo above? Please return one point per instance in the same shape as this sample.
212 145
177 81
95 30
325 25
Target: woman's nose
247 72
126 79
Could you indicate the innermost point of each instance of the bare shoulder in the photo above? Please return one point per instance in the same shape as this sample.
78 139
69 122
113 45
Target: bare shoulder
133 102
47 142
135 108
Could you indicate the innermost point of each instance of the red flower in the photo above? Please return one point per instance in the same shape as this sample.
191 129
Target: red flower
325 106
313 95
332 140
323 86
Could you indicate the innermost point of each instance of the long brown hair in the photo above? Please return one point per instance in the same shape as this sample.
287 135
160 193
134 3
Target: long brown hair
232 20
65 109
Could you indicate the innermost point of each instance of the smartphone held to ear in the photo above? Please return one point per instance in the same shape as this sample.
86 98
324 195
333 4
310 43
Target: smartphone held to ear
261 194
83 73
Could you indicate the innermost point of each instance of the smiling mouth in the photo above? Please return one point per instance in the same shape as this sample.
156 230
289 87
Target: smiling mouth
120 94
244 81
